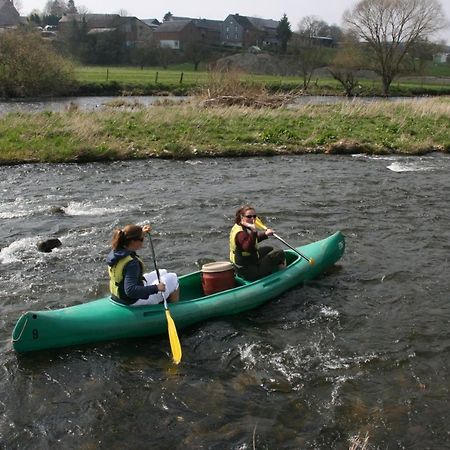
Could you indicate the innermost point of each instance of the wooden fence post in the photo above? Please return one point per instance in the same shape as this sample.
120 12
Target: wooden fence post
107 74
181 78
156 77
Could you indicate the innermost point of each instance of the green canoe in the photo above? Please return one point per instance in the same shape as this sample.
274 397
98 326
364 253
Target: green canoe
104 320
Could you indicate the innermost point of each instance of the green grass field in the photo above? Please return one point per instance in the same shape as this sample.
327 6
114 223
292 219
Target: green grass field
436 81
177 75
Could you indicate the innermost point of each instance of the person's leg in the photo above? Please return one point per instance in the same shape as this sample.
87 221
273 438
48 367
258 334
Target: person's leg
263 251
274 260
172 293
172 289
249 273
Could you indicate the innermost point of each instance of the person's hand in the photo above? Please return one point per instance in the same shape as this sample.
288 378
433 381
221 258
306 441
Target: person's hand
250 226
269 232
147 228
161 287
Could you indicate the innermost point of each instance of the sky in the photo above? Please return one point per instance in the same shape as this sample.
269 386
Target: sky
328 10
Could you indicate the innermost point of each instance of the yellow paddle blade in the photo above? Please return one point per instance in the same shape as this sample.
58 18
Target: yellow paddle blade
173 338
259 224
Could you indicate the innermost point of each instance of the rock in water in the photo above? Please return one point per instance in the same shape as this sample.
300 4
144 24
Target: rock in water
48 245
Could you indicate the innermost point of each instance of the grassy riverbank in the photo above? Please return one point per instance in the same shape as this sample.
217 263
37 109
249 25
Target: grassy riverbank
191 130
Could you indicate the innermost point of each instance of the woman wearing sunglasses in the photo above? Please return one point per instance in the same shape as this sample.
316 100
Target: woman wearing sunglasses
251 261
128 282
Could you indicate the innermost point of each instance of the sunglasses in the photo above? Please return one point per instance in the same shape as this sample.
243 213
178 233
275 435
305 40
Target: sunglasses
139 239
250 216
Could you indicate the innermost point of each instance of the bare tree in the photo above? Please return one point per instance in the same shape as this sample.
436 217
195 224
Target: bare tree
420 56
391 27
307 49
347 63
55 8
196 51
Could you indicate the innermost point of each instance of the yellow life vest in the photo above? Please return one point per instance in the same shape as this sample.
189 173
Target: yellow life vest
116 277
238 257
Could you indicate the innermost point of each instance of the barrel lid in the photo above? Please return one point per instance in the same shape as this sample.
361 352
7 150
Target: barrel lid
217 266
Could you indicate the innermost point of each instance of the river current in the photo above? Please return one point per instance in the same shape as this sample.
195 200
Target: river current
361 352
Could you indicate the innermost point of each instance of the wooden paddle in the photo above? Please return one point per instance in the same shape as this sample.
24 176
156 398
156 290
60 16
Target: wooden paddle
173 335
259 224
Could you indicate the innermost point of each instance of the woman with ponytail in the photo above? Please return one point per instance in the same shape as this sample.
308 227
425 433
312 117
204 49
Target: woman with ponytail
128 282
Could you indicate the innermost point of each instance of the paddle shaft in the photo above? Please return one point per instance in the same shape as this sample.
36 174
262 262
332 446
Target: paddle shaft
259 223
290 246
171 328
156 267
154 257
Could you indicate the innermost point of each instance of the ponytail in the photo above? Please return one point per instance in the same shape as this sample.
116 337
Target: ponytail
121 237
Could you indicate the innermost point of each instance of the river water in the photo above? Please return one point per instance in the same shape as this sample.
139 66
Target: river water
362 351
96 103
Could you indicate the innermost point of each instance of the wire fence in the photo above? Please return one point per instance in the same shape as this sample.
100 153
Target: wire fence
141 76
171 77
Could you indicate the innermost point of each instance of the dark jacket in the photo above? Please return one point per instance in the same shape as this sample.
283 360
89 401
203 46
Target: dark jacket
132 286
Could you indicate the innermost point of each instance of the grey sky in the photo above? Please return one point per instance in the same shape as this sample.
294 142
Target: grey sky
329 10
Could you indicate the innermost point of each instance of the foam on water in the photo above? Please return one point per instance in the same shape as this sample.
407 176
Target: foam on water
375 157
403 163
18 250
19 208
326 311
90 209
410 166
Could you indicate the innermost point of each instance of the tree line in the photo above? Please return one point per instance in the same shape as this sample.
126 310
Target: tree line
387 37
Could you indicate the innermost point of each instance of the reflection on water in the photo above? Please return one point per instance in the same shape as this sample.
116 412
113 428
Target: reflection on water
83 103
363 349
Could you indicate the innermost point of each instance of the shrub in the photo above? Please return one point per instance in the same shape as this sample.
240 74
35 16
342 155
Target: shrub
29 67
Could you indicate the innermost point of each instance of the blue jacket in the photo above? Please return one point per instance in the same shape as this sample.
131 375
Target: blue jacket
133 287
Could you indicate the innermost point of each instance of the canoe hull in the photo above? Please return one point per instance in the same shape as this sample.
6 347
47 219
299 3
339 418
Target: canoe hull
104 320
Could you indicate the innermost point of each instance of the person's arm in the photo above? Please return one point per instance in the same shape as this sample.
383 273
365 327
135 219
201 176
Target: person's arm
246 241
262 235
131 284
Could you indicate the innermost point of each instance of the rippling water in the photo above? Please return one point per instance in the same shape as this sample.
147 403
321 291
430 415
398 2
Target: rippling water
363 349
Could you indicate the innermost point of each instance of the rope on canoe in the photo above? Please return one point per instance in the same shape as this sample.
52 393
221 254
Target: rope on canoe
21 332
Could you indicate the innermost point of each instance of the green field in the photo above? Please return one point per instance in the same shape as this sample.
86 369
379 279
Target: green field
174 76
182 79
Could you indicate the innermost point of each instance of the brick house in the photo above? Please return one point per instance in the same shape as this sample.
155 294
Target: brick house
175 34
244 31
136 32
177 31
9 17
210 30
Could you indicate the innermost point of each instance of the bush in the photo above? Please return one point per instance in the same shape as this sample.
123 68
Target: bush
29 67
